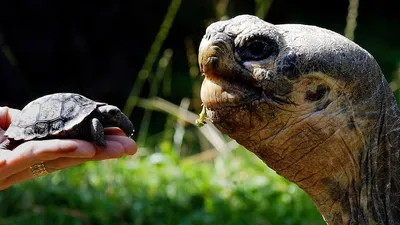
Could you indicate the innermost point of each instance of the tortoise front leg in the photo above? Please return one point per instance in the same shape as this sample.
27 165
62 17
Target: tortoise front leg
97 132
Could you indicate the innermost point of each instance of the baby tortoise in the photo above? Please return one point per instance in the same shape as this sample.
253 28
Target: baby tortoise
66 115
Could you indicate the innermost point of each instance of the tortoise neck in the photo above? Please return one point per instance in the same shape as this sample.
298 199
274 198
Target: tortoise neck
374 196
380 168
350 167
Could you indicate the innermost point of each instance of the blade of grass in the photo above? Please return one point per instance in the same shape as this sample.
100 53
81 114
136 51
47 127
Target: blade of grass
351 23
154 87
220 8
262 7
179 125
395 84
209 131
151 56
209 154
194 73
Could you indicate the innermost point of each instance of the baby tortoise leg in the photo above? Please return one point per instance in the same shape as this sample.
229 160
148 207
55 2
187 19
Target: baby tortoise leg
97 132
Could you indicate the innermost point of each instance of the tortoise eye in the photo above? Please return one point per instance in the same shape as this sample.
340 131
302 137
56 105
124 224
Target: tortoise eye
257 49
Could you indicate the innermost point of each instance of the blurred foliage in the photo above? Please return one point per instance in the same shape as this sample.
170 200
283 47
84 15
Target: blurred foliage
160 189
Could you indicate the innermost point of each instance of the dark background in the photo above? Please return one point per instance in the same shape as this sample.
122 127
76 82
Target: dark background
97 49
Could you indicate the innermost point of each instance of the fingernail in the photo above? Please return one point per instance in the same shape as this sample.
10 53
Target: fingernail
130 148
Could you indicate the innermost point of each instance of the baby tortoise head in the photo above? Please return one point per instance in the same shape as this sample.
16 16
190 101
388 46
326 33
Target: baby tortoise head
113 116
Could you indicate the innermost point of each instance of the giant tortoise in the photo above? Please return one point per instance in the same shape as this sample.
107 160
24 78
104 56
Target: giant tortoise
314 106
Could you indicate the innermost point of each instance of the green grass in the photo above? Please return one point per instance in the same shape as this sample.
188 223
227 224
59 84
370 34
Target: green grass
159 188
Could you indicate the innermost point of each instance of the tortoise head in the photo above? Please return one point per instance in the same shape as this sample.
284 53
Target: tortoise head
113 116
304 99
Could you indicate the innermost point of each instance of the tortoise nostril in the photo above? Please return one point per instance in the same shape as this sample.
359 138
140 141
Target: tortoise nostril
208 64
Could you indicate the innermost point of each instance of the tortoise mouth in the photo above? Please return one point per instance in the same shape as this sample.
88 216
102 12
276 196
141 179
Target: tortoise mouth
219 92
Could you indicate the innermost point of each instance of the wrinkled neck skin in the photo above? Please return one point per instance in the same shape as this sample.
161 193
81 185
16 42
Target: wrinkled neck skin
380 168
345 157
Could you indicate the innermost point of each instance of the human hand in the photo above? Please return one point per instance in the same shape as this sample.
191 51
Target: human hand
55 154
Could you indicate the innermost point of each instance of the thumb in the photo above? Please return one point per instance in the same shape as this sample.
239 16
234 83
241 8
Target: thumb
6 116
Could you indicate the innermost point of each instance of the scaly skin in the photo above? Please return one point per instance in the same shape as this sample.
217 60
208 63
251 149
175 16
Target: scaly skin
314 106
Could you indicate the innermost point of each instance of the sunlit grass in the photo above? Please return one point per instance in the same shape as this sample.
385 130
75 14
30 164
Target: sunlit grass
160 188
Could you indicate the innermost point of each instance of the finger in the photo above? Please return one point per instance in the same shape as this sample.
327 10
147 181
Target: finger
21 176
114 150
6 116
32 152
44 150
128 144
113 131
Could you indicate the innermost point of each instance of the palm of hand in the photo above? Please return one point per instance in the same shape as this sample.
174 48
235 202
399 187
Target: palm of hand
56 154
